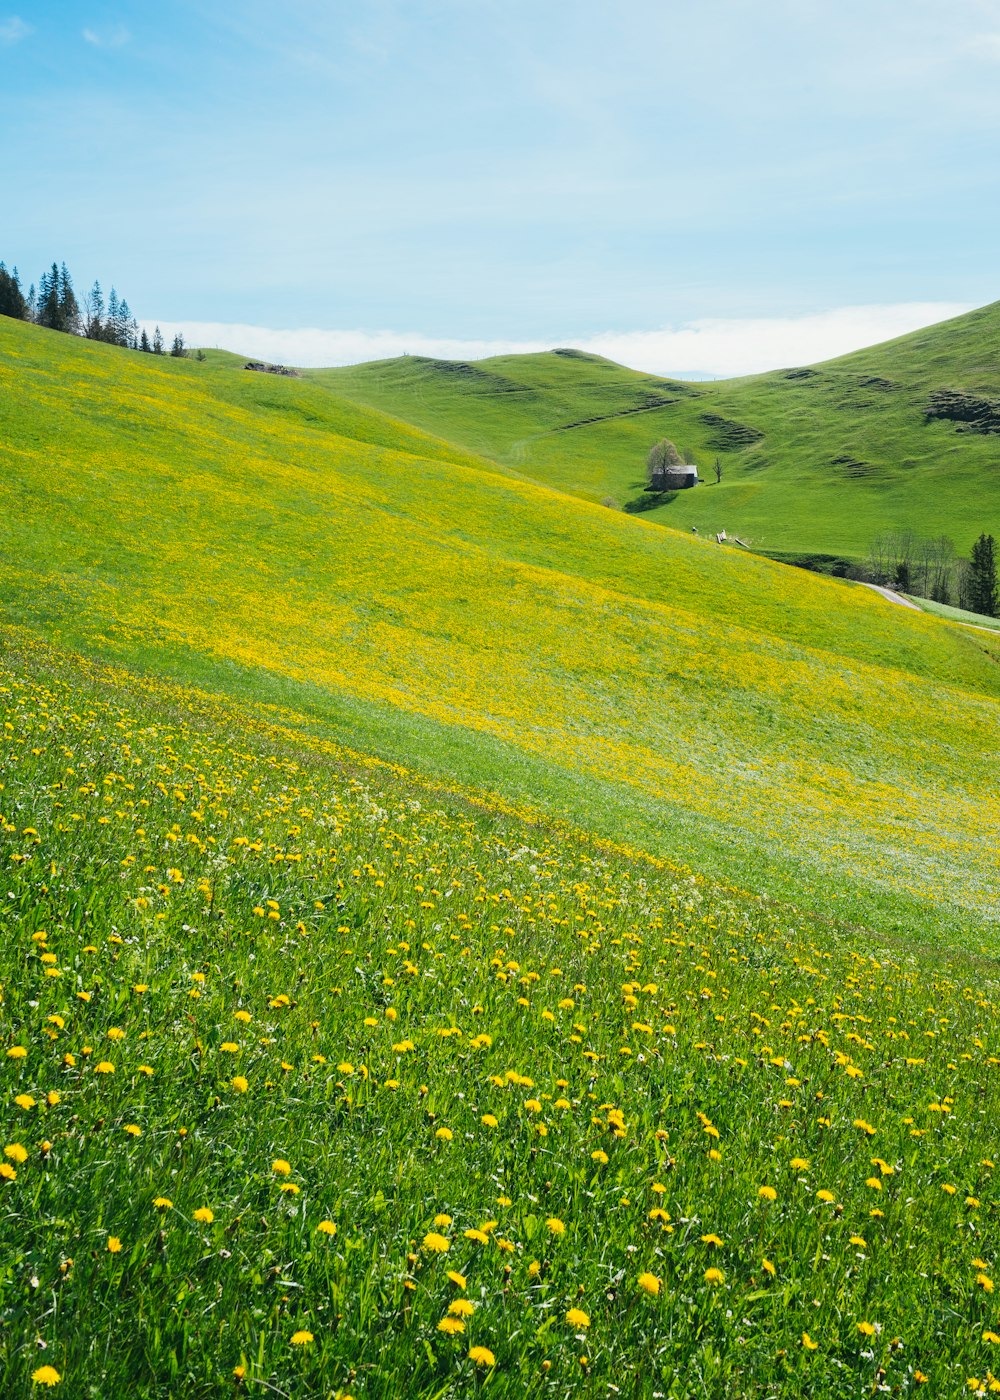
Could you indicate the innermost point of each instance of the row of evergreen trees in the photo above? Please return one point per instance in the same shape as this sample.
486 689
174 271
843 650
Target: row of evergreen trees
54 304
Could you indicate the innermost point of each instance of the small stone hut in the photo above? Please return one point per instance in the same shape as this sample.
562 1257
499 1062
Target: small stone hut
676 477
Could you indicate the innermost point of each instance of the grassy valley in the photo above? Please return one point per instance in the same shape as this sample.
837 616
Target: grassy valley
815 460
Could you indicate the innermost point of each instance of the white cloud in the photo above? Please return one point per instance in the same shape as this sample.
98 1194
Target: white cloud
13 30
708 347
112 38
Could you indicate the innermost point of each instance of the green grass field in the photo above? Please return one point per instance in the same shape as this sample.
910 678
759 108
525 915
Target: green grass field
836 453
460 938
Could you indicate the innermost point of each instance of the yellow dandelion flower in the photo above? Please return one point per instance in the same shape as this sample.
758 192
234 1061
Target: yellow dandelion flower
16 1052
555 1226
301 1338
866 1329
768 1267
7 1172
444 1134
163 1203
649 1283
714 1276
461 1307
16 1152
490 1121
826 1196
459 1280
133 1130
46 1375
204 1215
239 1083
435 1243
858 1242
482 1356
104 1067
114 1245
767 1193
576 1317
808 1342
985 1283
280 1167
799 1164
451 1326
326 1227
712 1240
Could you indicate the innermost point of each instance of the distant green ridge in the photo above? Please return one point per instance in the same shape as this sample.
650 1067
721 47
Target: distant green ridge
815 460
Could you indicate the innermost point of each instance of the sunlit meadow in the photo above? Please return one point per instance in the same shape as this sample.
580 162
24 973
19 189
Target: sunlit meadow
322 1080
456 938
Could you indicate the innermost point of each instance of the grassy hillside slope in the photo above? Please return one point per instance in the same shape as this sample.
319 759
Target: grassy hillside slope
261 535
320 1081
814 460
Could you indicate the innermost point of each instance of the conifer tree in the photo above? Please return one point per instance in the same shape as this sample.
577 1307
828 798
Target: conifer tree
12 300
157 342
48 313
144 344
69 307
177 348
982 583
93 313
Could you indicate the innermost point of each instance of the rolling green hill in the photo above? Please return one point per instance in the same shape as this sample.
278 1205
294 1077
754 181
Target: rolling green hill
456 938
815 459
265 536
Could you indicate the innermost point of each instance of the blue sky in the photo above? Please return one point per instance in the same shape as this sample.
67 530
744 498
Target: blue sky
495 171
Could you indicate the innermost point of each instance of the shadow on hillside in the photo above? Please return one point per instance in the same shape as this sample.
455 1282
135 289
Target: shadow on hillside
649 500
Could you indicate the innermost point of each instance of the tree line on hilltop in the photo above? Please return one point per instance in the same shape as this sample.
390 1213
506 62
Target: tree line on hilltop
55 305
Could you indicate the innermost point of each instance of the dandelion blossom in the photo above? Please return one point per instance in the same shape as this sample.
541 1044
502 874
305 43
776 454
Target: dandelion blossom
239 1083
163 1203
456 1278
280 1167
16 1152
205 1215
461 1307
451 1326
302 1338
482 1356
808 1342
649 1283
555 1226
714 1276
767 1193
435 1243
114 1245
326 1227
576 1317
866 1329
46 1375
